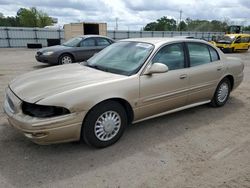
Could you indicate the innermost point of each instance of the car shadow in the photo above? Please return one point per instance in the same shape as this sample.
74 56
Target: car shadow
42 66
24 164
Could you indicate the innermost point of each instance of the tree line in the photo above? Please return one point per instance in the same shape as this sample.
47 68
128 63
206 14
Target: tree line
26 17
170 24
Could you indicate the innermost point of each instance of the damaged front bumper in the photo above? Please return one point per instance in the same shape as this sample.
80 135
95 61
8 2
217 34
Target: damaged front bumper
64 128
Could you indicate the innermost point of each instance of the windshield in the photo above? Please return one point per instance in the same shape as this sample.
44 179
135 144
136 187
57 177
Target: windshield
121 58
73 42
227 39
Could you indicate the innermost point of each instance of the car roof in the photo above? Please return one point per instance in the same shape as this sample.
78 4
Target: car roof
89 36
162 40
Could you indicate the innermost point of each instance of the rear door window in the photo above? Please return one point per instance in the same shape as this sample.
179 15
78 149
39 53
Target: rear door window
102 42
199 54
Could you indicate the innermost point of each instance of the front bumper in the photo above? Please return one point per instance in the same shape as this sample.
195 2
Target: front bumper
58 129
51 59
225 48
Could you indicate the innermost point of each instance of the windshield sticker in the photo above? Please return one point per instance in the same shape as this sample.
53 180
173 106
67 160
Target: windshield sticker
144 45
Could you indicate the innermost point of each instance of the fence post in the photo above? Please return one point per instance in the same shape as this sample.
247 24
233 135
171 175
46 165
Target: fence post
140 34
8 36
59 35
35 30
114 35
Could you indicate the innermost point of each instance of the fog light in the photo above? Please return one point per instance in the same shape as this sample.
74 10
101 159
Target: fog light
39 134
36 135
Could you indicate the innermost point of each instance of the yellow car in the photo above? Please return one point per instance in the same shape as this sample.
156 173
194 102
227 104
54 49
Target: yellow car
234 42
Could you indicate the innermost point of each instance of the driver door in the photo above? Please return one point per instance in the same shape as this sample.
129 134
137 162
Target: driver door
162 92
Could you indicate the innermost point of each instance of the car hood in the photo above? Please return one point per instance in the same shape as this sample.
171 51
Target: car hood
37 85
54 48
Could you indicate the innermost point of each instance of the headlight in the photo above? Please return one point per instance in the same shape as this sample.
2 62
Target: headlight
48 53
43 111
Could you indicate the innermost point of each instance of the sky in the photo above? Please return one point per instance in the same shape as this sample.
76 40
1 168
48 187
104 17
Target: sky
134 14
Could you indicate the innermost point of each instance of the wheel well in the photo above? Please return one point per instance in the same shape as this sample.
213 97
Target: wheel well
124 103
127 107
66 53
231 79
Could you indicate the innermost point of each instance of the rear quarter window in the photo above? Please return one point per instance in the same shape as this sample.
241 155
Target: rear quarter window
214 54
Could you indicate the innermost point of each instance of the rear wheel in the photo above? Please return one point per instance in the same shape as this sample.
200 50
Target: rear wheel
222 93
65 59
104 124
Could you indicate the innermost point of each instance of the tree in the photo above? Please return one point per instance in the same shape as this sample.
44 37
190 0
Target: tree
150 26
33 18
246 28
182 26
162 24
28 17
205 25
8 21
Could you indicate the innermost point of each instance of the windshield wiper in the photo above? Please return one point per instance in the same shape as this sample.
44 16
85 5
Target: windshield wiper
96 67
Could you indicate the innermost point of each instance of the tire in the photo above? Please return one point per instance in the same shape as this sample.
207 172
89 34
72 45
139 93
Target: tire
108 118
222 93
65 59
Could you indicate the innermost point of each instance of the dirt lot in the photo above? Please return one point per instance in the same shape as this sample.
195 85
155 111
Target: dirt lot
199 147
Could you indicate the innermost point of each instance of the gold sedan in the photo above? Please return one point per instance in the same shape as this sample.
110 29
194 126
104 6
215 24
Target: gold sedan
129 81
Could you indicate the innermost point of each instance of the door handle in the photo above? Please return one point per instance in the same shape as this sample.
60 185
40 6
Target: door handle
183 76
219 68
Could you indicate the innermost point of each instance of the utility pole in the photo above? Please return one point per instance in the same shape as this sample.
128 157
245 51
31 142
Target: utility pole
116 23
180 20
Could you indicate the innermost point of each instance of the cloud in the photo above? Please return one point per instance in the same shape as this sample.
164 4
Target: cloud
133 14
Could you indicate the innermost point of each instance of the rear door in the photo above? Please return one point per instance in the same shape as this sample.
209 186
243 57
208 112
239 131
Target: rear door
101 43
245 42
241 43
204 72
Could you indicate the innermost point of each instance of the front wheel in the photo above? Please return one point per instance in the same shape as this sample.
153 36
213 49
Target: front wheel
104 124
65 59
222 93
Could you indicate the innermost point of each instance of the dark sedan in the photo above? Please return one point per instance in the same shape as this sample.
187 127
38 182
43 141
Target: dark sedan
74 50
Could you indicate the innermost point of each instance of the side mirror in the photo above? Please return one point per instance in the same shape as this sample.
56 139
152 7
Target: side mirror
156 68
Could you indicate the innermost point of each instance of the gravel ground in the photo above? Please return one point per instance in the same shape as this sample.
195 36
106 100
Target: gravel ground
198 147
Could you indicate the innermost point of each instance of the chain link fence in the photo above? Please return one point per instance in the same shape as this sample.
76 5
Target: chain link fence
14 37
